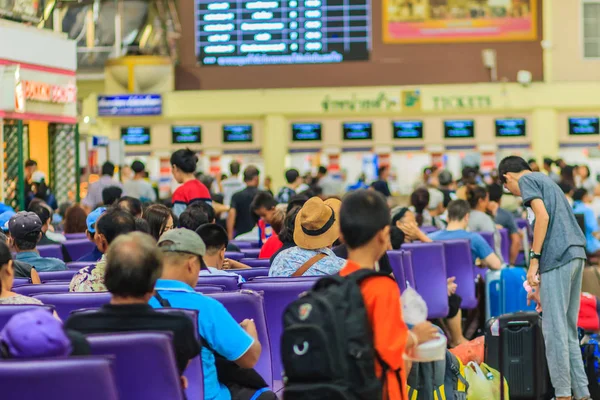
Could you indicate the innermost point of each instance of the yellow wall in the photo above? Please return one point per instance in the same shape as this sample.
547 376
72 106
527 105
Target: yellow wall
39 145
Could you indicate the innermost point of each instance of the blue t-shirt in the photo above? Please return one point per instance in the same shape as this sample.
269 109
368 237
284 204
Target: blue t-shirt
591 225
215 325
479 247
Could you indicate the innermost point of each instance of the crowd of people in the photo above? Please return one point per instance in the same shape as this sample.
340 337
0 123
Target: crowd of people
149 255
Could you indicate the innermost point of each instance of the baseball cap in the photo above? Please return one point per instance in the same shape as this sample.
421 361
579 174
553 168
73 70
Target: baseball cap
183 241
35 333
4 218
23 223
92 217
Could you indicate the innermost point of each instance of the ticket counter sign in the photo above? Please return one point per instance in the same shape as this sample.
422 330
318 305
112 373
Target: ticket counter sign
130 105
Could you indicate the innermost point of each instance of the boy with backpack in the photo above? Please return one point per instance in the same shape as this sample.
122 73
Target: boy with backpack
557 258
346 339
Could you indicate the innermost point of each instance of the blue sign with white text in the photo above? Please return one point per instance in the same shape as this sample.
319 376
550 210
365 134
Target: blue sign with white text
129 105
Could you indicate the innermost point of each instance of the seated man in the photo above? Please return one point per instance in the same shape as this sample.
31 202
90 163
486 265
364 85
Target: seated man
21 269
90 221
505 219
43 213
581 201
130 204
183 253
133 264
316 229
215 239
109 226
198 214
25 232
110 195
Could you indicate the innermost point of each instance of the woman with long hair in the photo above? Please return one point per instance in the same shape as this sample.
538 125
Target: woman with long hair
159 218
74 221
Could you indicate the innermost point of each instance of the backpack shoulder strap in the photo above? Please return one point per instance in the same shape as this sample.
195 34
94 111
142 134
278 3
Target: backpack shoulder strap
309 263
364 273
161 300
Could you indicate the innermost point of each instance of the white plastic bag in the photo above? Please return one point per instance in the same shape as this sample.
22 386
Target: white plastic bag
414 308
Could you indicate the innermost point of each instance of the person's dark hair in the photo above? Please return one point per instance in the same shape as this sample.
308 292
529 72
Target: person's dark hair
469 175
111 194
295 201
445 178
130 204
496 192
108 168
137 166
207 208
74 221
263 199
514 164
396 237
42 212
115 222
363 214
193 217
141 225
531 161
381 170
458 209
566 188
234 168
291 175
63 207
474 194
157 217
29 242
548 161
289 224
277 221
419 199
206 180
250 173
579 194
213 236
567 175
587 169
185 160
399 215
133 265
322 170
30 163
5 257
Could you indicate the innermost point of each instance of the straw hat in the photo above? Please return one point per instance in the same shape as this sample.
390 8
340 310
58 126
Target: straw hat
317 223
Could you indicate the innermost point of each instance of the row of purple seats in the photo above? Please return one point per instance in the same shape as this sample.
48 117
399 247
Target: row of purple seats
8 310
75 236
75 248
21 281
401 263
29 290
65 303
77 265
48 276
207 289
256 262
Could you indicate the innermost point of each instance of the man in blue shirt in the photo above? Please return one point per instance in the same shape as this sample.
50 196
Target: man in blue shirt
183 251
90 221
458 220
25 232
581 199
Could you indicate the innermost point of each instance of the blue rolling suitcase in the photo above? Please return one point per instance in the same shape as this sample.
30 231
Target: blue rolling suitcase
505 293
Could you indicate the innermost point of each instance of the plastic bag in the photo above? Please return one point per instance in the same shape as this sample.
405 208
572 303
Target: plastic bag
480 388
470 351
493 376
414 308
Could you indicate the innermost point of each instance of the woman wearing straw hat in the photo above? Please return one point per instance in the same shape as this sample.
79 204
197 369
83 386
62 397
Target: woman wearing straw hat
317 228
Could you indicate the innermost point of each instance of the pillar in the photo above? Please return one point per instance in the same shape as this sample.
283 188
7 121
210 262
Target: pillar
275 147
544 133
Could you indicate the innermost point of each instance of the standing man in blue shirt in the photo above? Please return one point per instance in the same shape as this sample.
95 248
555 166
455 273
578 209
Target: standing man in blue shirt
182 260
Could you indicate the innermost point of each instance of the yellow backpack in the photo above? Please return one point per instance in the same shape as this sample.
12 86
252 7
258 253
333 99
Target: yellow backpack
438 380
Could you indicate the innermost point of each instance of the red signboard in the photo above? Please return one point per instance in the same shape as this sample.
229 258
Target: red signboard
49 93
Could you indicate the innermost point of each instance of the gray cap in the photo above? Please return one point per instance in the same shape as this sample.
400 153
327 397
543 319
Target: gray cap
23 223
183 241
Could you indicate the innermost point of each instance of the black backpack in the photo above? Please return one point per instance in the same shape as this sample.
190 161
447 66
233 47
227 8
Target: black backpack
327 343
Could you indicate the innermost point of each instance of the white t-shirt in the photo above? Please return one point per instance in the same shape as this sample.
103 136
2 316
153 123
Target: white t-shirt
214 271
139 189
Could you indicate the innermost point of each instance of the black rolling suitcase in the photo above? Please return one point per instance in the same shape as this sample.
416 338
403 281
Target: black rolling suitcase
516 349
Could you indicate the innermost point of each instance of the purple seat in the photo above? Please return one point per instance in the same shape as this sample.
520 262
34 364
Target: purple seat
429 268
75 236
286 278
429 229
408 269
144 366
459 263
78 248
8 310
243 305
57 275
249 274
278 295
228 282
242 244
28 290
489 238
234 255
77 265
205 289
395 257
505 244
256 262
51 250
65 303
251 253
89 378
21 281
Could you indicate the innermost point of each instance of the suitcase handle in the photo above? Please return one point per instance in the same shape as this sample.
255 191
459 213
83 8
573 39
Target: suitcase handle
517 323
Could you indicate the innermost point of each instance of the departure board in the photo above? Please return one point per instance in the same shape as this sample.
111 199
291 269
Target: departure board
270 32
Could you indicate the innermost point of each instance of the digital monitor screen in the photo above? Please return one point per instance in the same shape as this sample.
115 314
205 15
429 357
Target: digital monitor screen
303 132
237 133
459 128
186 134
276 32
135 135
511 127
358 131
584 126
408 129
